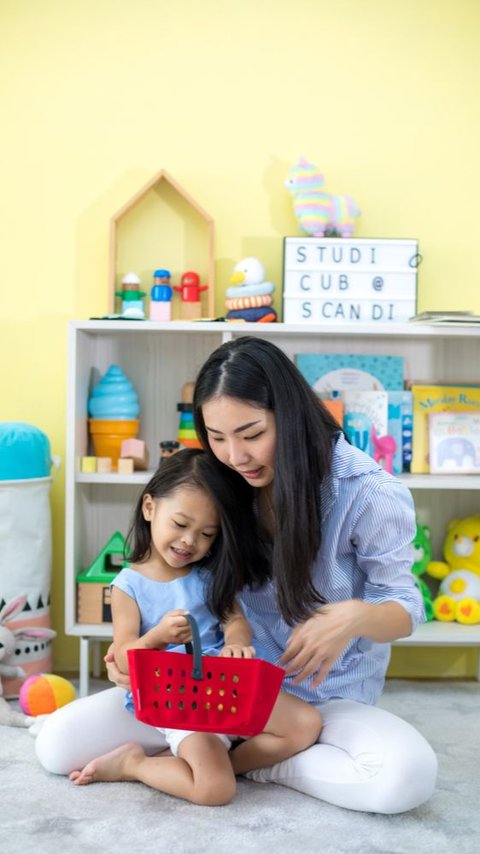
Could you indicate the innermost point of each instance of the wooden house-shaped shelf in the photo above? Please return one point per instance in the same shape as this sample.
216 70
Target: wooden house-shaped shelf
162 226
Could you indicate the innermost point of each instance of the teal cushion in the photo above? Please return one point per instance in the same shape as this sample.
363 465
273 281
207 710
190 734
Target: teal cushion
24 451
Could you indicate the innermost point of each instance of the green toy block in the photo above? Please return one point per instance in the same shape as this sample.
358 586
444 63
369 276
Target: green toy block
107 563
93 583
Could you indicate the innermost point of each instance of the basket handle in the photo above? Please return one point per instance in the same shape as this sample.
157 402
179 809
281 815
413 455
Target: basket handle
195 648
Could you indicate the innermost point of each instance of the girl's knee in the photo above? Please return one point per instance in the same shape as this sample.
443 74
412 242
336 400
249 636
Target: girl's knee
308 726
216 791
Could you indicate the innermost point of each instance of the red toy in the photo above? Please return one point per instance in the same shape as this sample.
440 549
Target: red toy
204 693
190 287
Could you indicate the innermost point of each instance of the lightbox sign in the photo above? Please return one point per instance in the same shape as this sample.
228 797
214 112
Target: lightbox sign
348 280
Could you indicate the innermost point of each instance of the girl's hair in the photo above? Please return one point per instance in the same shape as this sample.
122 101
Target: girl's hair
257 372
232 560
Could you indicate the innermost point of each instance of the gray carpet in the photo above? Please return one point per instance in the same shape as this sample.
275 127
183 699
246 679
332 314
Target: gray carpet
45 814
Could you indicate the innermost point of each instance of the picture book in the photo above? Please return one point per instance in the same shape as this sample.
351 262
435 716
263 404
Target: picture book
436 398
327 372
362 411
395 429
400 428
454 442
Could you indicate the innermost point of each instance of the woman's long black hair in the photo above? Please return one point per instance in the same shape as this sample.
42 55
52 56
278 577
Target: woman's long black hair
233 560
257 372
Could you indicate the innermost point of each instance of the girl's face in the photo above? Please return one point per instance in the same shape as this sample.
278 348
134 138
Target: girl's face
242 437
183 526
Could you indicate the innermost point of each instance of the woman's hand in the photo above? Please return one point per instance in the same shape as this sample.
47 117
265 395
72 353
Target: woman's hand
114 674
236 650
315 645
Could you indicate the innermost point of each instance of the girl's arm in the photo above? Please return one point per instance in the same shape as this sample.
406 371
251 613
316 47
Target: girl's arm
172 628
238 635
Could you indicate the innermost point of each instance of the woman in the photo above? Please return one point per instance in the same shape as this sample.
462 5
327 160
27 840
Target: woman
339 530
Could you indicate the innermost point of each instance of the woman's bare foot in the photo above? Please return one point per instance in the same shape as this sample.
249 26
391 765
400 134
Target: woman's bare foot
109 768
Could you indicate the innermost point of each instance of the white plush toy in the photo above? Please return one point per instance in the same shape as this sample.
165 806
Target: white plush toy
8 640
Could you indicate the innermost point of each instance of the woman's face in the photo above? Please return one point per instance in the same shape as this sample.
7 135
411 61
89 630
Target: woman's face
242 437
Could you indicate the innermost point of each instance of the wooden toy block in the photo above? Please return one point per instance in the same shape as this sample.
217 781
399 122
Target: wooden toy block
88 465
137 450
187 392
125 465
93 603
190 310
104 465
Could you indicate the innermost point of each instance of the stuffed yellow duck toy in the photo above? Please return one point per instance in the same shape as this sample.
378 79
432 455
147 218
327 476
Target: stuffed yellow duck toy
459 592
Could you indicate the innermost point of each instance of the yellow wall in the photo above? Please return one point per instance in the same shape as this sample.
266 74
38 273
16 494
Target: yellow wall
98 96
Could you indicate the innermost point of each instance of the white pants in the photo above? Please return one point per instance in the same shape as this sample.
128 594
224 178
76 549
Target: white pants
367 759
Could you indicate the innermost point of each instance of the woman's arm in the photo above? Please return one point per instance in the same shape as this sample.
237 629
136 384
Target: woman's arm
316 644
238 635
390 606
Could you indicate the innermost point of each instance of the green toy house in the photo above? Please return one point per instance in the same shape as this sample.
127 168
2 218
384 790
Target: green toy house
93 583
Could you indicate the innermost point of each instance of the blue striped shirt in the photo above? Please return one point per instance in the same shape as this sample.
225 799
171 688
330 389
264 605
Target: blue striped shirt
366 553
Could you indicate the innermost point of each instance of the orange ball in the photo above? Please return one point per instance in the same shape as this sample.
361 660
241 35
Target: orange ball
42 693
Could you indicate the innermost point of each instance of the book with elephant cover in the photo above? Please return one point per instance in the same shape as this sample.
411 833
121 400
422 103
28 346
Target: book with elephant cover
454 442
436 398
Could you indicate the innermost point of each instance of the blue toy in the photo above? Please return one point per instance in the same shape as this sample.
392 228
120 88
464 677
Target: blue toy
161 296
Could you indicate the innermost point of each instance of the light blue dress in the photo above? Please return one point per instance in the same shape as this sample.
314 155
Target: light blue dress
155 598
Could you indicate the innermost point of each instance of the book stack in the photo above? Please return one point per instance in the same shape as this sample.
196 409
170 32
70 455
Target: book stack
366 394
447 318
405 426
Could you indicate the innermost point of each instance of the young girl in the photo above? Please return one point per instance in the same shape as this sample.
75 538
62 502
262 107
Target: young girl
184 559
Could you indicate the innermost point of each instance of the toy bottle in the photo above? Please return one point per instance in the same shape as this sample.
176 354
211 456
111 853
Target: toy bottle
161 296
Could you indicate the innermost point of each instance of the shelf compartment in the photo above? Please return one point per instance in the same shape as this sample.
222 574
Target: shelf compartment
163 226
160 357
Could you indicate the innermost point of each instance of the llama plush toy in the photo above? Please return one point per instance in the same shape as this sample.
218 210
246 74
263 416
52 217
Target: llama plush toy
8 639
319 213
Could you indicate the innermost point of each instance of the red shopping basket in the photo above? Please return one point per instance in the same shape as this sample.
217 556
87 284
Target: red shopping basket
203 693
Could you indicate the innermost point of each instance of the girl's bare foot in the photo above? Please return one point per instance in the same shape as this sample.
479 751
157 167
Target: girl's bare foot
109 768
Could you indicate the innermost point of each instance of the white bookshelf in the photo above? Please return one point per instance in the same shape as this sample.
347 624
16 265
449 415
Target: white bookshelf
160 357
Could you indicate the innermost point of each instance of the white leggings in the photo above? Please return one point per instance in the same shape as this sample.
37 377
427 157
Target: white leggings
367 759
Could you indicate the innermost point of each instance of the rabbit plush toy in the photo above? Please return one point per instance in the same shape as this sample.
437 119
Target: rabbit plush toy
8 639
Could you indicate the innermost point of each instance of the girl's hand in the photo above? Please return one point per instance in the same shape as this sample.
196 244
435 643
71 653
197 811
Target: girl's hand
235 650
174 628
115 675
315 645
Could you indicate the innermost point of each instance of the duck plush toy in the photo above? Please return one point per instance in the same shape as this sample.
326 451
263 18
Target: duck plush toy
249 296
